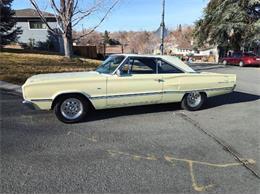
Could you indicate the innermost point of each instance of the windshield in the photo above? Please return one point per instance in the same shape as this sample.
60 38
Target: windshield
110 64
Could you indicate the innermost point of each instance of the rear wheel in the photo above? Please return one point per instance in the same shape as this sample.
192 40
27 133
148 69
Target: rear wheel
193 101
225 62
241 63
71 109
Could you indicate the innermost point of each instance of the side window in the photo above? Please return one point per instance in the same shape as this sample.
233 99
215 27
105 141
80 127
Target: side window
126 68
139 66
237 55
164 68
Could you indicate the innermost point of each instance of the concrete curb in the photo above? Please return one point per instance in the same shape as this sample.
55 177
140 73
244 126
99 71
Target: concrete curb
11 87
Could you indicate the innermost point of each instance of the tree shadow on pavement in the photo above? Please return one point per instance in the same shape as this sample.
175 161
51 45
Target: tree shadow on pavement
232 98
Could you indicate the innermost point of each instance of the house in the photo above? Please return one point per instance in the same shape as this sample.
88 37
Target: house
211 52
35 32
175 44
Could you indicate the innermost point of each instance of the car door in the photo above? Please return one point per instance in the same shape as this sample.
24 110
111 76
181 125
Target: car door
137 84
172 77
237 58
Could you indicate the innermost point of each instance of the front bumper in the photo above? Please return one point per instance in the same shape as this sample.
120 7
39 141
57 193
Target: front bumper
234 87
29 104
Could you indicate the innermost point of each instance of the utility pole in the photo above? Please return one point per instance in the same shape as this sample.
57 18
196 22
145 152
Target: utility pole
162 28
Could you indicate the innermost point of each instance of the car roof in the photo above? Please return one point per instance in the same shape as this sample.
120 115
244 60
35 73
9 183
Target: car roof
170 59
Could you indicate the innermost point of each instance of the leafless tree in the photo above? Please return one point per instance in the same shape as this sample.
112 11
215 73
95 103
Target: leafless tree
70 13
142 42
181 37
95 38
122 37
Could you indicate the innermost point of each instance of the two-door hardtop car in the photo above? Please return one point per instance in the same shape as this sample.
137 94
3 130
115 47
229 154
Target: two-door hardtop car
124 80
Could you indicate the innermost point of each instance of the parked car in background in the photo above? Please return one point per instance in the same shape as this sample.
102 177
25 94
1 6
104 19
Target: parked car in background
125 80
242 59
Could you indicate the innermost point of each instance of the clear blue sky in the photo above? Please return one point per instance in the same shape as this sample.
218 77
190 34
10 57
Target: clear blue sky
140 14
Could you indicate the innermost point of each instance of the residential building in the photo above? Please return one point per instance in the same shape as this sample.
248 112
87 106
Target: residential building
35 32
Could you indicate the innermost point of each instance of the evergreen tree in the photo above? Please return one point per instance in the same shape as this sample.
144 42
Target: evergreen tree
230 24
106 37
106 40
8 32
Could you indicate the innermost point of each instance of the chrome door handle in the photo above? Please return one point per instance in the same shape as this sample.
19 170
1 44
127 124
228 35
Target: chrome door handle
159 80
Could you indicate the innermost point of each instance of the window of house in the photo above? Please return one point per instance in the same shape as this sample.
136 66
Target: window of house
37 25
165 68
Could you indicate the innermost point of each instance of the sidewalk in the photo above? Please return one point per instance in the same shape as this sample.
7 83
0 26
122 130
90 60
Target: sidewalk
10 86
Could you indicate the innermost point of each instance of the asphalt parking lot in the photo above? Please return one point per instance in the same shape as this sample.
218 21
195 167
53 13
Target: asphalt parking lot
148 149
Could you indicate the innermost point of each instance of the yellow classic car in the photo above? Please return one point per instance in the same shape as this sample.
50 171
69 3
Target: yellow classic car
124 80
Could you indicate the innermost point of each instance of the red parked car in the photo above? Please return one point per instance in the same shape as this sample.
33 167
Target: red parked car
242 59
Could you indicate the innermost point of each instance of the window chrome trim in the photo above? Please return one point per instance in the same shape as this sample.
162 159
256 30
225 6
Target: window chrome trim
114 73
154 58
129 57
183 71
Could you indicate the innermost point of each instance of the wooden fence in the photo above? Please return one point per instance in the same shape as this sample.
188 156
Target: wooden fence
86 51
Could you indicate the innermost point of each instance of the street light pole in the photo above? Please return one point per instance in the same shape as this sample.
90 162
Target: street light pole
162 28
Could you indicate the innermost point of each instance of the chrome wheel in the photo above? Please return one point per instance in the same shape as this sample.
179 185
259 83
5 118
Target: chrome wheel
71 108
225 62
241 64
194 99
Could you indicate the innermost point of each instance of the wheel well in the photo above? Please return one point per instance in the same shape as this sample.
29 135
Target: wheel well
204 93
57 98
201 92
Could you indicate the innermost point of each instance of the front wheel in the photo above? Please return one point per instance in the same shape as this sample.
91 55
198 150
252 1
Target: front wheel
71 109
193 101
241 63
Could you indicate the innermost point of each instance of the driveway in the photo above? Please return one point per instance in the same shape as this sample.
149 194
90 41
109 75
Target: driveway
147 149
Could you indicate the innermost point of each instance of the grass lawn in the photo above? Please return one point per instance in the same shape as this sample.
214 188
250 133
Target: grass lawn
17 67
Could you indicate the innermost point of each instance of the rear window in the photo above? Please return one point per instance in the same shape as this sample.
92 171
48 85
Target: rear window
164 68
249 54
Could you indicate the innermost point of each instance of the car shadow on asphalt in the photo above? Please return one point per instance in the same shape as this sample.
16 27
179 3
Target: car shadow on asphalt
231 98
127 111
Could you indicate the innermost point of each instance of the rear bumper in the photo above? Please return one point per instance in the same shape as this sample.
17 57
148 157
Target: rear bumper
252 62
38 104
29 105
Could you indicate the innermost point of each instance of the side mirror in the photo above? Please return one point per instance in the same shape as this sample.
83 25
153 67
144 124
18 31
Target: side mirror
118 72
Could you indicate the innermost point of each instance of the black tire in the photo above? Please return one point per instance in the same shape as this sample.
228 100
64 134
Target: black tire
185 105
60 115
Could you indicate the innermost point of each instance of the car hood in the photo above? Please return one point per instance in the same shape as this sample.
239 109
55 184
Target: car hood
61 76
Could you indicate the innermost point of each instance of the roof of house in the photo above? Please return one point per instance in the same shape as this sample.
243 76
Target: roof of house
158 32
31 13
